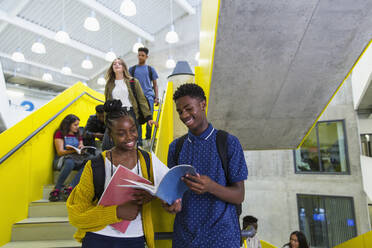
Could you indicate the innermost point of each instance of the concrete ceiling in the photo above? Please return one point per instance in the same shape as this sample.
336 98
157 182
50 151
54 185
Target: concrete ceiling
277 64
25 21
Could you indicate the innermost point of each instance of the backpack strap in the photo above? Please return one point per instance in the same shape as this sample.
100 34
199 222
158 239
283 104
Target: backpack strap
146 156
150 72
221 140
179 144
132 70
132 82
99 175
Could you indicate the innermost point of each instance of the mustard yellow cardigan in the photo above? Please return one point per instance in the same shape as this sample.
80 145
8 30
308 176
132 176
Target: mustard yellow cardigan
87 216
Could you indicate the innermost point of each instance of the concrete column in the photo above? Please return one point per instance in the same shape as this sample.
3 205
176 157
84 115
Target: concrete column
181 74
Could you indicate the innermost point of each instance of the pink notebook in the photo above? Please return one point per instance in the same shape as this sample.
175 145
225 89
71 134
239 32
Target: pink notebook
114 195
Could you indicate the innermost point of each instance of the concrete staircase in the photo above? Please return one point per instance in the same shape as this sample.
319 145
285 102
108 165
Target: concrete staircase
46 226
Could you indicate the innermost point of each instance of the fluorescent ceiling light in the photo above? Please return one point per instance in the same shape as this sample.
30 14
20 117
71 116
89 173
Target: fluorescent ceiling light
137 45
62 37
87 63
110 56
172 36
18 56
47 77
91 23
170 63
101 80
13 93
128 8
38 47
66 70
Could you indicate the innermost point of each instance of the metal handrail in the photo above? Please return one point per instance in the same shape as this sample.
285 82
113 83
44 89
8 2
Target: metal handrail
10 153
153 134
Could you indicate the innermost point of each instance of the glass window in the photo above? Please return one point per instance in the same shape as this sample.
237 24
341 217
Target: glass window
325 220
324 150
365 139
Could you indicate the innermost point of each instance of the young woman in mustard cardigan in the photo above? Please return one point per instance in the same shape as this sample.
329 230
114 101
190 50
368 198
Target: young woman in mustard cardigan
92 220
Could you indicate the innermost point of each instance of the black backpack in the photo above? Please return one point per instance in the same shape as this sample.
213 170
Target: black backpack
99 175
221 140
132 70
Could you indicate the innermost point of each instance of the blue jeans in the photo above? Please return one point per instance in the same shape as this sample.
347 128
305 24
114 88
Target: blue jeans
148 127
93 240
68 166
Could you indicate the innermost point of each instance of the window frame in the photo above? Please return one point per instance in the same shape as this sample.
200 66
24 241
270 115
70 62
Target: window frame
329 196
347 172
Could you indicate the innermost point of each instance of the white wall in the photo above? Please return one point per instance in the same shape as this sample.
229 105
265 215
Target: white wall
366 163
365 126
4 103
360 76
18 112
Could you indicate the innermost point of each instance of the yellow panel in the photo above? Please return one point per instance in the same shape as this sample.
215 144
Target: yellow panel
367 239
208 34
163 221
362 241
265 244
165 132
23 174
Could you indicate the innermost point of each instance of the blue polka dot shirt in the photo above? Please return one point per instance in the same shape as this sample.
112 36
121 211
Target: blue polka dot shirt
205 220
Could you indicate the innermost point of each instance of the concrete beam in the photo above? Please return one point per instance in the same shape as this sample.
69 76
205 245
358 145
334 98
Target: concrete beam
45 67
186 6
52 83
18 8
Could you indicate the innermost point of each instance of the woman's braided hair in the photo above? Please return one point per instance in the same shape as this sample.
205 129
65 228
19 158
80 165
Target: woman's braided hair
113 111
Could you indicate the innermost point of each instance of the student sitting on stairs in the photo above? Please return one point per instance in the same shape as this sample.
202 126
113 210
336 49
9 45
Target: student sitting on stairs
66 159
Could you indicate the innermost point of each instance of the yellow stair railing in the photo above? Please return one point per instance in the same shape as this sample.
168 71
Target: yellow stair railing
27 152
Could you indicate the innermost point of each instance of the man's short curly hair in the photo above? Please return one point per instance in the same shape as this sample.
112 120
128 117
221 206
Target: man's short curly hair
192 90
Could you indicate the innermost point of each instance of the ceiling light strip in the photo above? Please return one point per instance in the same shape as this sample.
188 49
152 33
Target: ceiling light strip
21 23
99 8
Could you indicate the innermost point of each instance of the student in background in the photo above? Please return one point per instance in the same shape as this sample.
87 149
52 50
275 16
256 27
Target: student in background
207 216
95 128
297 240
118 87
249 232
147 77
92 220
67 159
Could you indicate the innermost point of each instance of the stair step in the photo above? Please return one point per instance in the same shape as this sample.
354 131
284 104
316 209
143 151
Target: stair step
44 208
43 244
43 228
48 188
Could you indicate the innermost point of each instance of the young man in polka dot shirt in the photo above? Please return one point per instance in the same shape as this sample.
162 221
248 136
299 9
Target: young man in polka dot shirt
206 215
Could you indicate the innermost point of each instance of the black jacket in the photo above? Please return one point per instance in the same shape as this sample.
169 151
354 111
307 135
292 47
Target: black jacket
93 126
